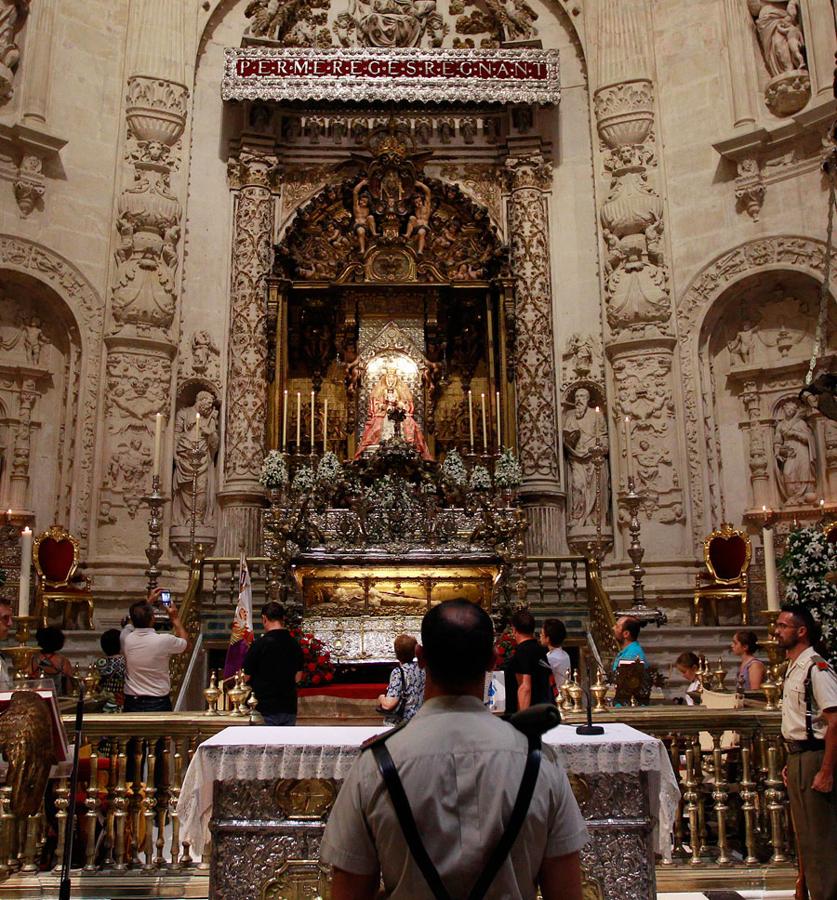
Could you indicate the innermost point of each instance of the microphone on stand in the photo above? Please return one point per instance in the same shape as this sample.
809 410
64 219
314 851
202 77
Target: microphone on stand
589 728
67 862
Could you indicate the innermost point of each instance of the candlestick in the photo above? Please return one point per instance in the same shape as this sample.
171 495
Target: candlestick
770 580
484 426
285 420
298 420
197 425
471 419
325 425
158 442
499 430
312 421
628 451
25 569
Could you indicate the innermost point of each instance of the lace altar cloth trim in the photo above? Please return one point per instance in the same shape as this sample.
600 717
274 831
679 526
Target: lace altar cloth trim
265 753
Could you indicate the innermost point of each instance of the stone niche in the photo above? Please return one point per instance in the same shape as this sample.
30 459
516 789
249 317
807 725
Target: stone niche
765 447
40 369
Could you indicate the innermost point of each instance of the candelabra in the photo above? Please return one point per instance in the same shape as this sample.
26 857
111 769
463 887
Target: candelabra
635 550
197 453
154 551
22 653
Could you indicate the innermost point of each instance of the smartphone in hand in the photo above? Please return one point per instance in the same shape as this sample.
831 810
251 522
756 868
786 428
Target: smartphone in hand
165 598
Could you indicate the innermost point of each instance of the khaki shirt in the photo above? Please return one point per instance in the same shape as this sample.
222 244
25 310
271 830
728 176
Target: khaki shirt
824 684
461 769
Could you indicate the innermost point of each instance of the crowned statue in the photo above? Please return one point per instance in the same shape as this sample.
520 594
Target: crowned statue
390 403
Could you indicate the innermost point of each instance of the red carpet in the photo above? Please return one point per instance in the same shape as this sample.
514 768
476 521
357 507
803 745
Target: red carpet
354 691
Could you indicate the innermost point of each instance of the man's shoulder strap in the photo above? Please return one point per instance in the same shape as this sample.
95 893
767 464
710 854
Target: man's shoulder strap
382 738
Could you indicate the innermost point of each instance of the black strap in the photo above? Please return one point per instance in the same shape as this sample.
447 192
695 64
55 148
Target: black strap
415 844
809 704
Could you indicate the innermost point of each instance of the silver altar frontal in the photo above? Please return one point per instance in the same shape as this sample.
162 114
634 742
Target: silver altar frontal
260 797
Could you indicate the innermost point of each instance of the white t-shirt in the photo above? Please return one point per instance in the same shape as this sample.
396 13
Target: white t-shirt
559 662
147 655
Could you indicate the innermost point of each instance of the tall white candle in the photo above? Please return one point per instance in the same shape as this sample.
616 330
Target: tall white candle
158 443
499 430
484 426
25 569
285 420
325 425
298 420
771 583
629 456
197 426
312 421
471 419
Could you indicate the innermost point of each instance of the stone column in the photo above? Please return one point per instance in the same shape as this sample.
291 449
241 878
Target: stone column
820 44
537 432
741 63
37 78
758 462
19 478
141 334
246 401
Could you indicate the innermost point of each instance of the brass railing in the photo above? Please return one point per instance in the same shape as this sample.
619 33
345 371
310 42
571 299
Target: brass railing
733 810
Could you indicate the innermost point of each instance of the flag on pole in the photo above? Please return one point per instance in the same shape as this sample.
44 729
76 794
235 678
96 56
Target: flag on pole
241 635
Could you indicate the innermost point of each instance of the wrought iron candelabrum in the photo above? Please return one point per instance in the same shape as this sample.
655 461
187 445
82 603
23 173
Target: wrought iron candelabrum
154 551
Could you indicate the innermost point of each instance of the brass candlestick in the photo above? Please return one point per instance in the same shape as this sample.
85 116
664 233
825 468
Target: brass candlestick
635 550
22 653
212 694
196 455
599 690
154 551
772 684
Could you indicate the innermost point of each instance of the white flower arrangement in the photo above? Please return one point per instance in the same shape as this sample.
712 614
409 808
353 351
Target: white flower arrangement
274 474
480 479
453 470
304 480
508 475
329 471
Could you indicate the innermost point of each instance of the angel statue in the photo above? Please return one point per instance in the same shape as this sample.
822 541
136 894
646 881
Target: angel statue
26 745
390 400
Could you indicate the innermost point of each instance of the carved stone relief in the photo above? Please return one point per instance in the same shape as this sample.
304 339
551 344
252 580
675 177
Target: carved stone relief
12 16
480 182
751 350
582 359
75 481
779 31
528 178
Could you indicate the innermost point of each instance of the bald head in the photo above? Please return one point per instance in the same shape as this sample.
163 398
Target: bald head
457 639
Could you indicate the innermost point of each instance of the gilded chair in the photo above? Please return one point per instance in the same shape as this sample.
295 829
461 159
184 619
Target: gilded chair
726 553
55 554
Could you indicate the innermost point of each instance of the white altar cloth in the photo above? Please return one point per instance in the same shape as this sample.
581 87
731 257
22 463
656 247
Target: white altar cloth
268 752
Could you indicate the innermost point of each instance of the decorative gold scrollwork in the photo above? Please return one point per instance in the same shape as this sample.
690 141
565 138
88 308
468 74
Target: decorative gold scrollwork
298 879
305 798
591 889
580 788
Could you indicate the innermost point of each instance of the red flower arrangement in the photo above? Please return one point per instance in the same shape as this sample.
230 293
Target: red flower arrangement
504 647
317 667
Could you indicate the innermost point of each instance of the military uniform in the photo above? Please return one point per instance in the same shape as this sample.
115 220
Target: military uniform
461 769
803 727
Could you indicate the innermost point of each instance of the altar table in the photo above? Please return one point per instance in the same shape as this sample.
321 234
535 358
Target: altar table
261 796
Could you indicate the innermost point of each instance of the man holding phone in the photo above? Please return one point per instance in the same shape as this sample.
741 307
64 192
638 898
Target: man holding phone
147 653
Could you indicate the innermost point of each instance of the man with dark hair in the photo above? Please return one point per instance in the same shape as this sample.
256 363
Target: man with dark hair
527 672
553 635
809 727
626 632
147 652
7 670
273 667
461 768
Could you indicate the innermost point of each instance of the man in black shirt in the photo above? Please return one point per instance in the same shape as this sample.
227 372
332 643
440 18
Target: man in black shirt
273 667
528 671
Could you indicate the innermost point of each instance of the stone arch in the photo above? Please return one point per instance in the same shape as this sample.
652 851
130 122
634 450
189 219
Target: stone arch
85 312
778 253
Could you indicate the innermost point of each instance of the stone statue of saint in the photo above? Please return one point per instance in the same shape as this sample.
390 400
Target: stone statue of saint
780 36
364 221
795 454
583 431
742 345
195 446
33 339
391 393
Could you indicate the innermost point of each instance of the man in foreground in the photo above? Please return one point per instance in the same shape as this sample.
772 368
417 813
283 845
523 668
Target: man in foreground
147 652
273 667
809 727
626 632
461 769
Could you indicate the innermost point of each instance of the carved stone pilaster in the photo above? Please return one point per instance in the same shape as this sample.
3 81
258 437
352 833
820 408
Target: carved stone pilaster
527 179
22 443
758 461
246 403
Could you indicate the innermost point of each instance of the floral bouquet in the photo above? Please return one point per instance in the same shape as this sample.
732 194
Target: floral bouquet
317 668
504 647
274 474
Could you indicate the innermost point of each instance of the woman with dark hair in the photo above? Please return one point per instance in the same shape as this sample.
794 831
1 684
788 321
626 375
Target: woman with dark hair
49 663
750 670
687 664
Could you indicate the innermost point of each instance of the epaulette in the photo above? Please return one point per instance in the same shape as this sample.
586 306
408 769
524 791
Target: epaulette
381 738
821 664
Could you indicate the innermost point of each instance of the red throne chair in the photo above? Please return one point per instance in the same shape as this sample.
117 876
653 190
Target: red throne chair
726 554
55 554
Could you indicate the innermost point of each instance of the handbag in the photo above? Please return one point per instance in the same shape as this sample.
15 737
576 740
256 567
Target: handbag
397 711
